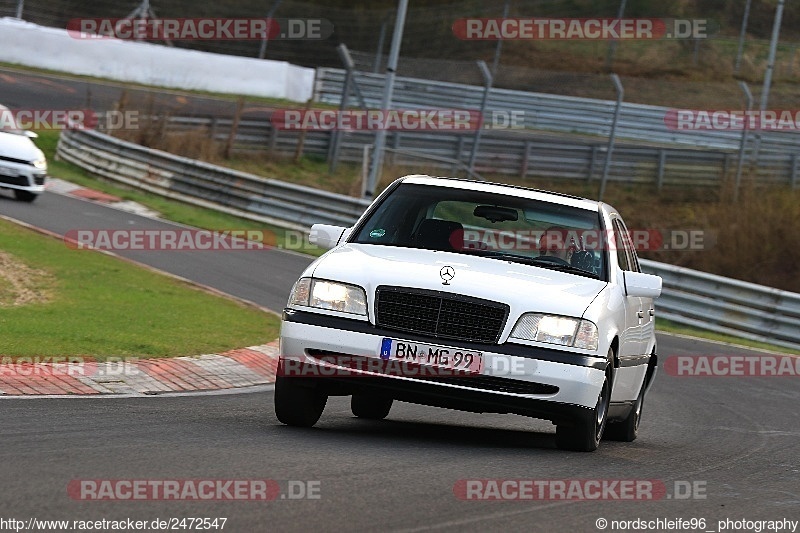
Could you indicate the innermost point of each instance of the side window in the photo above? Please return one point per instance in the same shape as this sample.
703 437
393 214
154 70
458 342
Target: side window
621 244
630 249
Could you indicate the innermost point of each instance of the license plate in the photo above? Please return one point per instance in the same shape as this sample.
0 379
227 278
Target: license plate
445 357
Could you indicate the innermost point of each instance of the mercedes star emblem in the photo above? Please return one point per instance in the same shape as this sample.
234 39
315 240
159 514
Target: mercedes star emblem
447 273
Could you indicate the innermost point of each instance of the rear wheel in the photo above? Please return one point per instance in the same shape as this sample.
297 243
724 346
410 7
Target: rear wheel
24 196
297 401
584 435
370 407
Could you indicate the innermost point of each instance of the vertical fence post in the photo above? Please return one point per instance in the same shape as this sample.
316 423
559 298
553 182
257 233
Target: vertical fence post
737 63
488 79
592 164
376 65
336 135
662 162
386 100
459 149
526 154
612 135
743 143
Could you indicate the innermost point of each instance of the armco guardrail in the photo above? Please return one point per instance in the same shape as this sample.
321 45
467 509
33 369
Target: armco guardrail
690 297
547 112
269 200
729 306
516 153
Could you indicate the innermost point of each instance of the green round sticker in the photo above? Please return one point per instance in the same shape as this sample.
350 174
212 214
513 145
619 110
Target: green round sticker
377 233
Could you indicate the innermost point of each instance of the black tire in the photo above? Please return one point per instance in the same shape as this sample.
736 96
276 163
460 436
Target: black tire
627 430
297 401
370 407
24 196
585 435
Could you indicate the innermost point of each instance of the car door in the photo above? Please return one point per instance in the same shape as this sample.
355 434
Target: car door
632 364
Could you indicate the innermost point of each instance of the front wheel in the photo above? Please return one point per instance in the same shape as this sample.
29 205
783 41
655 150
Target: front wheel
297 401
628 429
584 435
24 196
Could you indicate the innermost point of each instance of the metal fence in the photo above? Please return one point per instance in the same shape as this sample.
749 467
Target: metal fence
690 297
239 193
513 153
545 112
728 306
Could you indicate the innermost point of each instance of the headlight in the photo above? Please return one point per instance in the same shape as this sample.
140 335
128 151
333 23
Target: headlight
556 330
329 295
41 164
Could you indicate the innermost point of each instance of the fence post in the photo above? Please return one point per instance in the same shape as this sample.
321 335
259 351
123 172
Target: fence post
592 164
612 135
273 139
749 99
487 77
459 149
526 154
234 127
662 161
335 137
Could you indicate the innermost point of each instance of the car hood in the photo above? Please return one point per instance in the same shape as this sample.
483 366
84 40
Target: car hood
525 288
18 147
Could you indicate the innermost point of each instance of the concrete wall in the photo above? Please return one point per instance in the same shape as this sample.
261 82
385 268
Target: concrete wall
24 43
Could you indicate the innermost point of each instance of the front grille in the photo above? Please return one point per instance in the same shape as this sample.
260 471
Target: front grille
14 180
440 315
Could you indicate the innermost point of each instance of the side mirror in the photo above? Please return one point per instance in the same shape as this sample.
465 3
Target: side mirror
31 134
325 235
642 285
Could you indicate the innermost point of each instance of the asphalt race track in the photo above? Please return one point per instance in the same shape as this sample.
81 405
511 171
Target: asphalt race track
261 276
734 439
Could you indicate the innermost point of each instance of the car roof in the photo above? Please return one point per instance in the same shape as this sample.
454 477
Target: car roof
510 190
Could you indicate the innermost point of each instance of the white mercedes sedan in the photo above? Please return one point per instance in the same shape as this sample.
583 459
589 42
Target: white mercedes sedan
479 297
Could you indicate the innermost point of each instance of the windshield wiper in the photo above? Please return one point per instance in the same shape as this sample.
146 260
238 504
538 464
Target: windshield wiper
535 261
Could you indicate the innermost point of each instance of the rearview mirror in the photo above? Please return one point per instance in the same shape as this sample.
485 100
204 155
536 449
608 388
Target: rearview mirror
642 285
325 235
495 213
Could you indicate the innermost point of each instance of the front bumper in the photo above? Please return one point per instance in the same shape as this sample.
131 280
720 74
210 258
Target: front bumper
22 177
543 383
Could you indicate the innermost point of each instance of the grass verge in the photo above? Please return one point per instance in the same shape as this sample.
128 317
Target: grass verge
99 306
671 327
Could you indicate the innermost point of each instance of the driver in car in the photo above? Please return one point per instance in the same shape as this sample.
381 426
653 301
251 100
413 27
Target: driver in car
557 242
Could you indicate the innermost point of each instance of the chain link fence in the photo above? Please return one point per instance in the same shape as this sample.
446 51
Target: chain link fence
656 72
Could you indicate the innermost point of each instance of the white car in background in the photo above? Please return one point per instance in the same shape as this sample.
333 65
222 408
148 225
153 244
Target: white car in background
478 297
23 167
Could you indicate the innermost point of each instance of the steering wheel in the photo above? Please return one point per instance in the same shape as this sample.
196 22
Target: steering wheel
552 259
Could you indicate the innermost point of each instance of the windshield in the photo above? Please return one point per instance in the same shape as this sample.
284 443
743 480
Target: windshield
497 226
